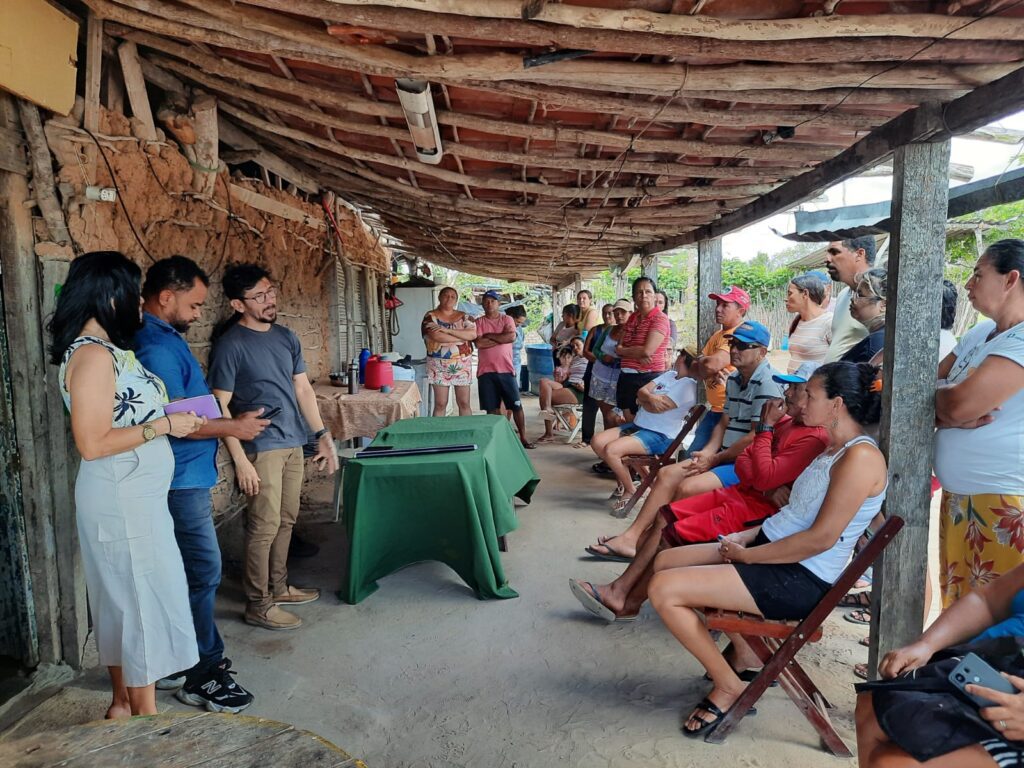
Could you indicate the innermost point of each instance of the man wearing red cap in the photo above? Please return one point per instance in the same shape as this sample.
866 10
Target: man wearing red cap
713 365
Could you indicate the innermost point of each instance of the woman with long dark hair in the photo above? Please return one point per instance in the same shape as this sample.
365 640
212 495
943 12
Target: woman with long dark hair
783 568
138 595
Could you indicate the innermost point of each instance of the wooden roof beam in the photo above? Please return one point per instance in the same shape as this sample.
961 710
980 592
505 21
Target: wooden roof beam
516 31
779 151
208 68
738 30
259 31
929 122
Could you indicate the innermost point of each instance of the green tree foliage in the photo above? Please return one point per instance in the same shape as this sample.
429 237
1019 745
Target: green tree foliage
756 277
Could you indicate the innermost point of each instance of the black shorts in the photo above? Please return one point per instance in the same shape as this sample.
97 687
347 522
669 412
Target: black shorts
781 591
629 384
497 389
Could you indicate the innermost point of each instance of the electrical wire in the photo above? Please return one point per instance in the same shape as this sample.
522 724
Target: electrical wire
894 66
120 197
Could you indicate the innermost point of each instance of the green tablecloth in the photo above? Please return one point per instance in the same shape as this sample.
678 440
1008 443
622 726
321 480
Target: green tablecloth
450 507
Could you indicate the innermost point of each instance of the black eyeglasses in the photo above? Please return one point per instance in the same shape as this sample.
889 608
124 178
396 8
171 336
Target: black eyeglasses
263 296
742 346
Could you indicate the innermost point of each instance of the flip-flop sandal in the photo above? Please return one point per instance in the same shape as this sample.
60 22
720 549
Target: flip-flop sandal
545 439
861 671
617 493
600 468
610 555
865 641
589 598
707 726
859 616
855 600
619 504
529 446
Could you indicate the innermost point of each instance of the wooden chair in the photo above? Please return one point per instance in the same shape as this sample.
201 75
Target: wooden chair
777 643
573 427
647 466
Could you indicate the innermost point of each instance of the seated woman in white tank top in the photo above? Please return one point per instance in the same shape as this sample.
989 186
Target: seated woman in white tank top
782 569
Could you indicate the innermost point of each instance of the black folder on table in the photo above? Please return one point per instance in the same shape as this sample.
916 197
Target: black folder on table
387 452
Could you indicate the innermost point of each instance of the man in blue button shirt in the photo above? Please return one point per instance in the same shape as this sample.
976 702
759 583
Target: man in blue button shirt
173 296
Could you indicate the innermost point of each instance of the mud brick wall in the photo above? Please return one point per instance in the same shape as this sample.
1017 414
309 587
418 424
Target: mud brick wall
154 183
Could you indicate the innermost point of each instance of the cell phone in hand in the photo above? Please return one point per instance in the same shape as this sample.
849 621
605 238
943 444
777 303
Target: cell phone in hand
974 670
271 413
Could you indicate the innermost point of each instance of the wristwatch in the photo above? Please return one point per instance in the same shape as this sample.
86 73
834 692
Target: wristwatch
321 433
764 428
148 433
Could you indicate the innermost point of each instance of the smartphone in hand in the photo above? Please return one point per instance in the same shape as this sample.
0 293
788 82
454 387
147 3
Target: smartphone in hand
271 413
974 670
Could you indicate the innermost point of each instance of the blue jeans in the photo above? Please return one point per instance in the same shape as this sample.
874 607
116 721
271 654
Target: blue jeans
192 511
704 429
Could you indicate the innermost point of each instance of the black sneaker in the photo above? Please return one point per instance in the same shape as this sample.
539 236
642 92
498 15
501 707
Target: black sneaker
216 690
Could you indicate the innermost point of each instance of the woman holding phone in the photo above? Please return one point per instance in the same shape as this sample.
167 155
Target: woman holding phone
914 717
138 595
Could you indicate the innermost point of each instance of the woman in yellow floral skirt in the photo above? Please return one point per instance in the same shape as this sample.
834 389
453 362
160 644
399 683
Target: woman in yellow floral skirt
979 446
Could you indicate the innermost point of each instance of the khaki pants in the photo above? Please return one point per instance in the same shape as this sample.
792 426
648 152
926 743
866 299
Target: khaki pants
268 528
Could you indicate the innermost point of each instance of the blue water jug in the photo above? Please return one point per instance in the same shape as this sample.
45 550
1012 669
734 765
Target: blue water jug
364 355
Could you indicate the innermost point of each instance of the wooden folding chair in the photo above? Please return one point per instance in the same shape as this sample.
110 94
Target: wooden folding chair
777 643
647 466
572 426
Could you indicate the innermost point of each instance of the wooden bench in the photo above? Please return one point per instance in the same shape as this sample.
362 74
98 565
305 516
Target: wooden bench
776 643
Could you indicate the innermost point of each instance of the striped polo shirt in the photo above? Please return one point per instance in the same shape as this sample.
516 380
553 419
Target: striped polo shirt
744 403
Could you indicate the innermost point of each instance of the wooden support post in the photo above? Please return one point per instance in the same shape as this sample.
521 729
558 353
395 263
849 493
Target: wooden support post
709 280
619 283
93 68
42 173
135 84
916 257
28 371
649 266
204 117
556 309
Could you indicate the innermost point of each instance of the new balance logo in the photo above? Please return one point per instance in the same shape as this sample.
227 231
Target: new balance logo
211 687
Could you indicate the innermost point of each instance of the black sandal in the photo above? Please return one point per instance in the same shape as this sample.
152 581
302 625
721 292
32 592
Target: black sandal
707 726
601 468
747 676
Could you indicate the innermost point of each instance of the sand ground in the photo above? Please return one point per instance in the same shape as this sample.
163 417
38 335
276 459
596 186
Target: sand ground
422 674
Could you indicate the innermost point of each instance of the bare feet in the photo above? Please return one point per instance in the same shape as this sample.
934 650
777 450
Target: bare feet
117 710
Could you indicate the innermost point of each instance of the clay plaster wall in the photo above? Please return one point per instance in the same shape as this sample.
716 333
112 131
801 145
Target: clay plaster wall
155 184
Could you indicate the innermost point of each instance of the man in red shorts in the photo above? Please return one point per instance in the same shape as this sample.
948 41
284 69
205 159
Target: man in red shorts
782 448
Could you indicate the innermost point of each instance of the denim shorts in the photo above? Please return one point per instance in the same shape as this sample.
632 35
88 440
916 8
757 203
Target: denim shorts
654 443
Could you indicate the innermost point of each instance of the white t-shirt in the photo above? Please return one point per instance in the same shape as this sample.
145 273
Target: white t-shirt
846 331
988 459
947 343
810 341
682 392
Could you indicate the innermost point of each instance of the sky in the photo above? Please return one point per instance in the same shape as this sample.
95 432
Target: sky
987 158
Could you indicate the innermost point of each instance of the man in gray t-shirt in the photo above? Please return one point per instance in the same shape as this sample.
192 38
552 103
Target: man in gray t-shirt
255 365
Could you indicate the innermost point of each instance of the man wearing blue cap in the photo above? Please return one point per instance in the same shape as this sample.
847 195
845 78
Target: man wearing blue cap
495 371
746 392
711 468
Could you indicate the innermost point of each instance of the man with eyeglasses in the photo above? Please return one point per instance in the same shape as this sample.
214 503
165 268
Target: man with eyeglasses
256 363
